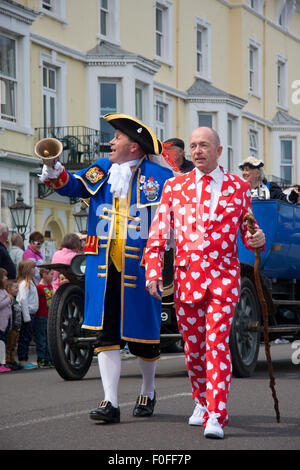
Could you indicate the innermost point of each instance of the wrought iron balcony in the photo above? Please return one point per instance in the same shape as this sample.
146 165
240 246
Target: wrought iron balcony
82 145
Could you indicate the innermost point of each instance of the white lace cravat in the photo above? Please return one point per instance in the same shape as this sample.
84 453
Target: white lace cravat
119 178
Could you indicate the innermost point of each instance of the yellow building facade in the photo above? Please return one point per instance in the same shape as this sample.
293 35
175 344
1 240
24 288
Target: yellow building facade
175 64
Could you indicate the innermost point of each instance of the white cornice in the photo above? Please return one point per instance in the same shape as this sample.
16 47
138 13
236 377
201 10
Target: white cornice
57 47
137 61
7 156
170 90
12 126
217 99
262 17
288 127
18 12
256 118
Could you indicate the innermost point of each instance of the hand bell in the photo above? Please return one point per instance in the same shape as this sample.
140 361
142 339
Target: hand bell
49 150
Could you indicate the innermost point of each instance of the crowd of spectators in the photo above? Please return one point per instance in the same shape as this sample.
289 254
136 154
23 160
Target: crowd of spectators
26 291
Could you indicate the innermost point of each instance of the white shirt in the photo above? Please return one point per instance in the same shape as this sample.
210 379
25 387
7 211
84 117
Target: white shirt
28 299
262 192
120 176
216 186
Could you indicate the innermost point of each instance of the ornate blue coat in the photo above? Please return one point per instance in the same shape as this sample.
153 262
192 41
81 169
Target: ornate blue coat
140 312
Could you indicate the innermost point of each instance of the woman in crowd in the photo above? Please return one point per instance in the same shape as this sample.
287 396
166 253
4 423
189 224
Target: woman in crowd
252 171
34 252
70 247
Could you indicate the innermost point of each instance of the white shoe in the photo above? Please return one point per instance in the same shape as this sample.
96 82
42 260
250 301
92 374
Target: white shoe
213 428
197 417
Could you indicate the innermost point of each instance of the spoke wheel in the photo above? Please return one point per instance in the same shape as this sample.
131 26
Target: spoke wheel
64 327
244 344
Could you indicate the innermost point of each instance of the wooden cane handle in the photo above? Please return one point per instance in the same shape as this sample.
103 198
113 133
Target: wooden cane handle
251 222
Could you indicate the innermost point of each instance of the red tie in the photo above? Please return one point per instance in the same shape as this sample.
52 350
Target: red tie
205 198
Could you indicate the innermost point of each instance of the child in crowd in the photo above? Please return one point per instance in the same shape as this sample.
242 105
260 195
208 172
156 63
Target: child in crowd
62 279
45 293
5 315
16 322
29 301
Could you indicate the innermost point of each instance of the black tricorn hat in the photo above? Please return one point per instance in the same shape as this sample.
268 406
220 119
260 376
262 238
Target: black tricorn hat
137 131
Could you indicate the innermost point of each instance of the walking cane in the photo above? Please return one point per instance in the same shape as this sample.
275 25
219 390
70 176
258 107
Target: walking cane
251 221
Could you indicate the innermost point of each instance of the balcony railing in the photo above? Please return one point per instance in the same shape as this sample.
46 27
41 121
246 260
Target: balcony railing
82 145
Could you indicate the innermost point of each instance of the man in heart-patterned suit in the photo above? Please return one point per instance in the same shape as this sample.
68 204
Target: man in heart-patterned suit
203 211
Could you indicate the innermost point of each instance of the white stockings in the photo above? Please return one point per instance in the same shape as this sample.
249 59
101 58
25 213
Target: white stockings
110 371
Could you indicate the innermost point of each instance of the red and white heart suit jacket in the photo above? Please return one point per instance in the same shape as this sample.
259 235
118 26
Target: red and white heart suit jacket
205 256
206 278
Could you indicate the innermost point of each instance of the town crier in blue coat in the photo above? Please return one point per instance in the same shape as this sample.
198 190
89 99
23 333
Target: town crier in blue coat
124 191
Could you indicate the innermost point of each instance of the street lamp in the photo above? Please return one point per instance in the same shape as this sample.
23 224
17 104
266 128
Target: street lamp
81 220
20 213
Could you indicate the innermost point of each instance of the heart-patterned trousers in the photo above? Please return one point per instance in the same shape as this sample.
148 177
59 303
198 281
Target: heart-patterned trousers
205 328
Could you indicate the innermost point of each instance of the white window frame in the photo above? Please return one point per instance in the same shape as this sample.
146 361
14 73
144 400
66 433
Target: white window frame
14 81
205 28
140 90
254 141
47 5
286 9
19 31
233 141
210 114
230 140
199 52
112 22
166 34
159 32
254 69
55 10
162 99
161 126
257 5
284 164
51 61
117 84
49 97
5 212
104 13
282 82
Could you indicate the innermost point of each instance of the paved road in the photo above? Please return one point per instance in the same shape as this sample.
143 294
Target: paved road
38 410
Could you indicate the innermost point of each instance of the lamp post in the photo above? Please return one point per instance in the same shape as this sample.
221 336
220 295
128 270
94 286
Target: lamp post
81 220
20 213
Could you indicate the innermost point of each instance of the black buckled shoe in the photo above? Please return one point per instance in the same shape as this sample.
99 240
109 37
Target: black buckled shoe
106 412
144 406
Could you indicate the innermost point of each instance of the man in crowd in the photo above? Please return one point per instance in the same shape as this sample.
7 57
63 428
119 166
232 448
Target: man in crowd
5 260
16 251
174 148
123 189
205 208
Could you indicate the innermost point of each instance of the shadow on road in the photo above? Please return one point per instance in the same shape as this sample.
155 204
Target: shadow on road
262 425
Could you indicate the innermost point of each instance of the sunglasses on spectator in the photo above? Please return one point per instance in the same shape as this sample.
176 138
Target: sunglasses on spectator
38 243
